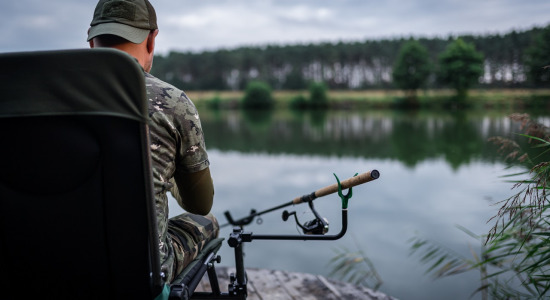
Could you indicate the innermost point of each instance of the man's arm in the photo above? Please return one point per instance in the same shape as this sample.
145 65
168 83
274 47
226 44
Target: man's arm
194 191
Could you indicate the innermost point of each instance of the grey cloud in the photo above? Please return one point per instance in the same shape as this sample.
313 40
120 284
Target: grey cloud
209 24
29 25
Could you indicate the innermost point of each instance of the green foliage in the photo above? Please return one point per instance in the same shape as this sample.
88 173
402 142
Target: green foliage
355 268
359 64
214 102
443 262
298 102
318 118
318 97
412 67
258 96
515 261
258 121
460 66
295 80
538 59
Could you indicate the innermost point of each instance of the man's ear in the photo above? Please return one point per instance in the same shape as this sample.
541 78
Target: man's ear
151 40
91 42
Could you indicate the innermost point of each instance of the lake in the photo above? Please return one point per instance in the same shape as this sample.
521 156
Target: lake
437 171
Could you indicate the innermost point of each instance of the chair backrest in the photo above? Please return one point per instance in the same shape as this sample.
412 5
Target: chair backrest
77 217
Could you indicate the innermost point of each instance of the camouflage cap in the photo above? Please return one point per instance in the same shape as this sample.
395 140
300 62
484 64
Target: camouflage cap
129 19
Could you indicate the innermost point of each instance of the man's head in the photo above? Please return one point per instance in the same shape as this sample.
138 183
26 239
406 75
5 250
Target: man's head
129 25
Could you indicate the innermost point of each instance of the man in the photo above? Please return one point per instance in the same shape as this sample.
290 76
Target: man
180 161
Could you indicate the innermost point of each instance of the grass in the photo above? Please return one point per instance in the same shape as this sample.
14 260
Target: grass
347 99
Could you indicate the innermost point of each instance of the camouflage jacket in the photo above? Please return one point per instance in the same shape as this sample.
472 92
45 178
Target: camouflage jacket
177 145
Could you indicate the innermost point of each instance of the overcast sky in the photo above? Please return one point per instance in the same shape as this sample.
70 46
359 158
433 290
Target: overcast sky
28 25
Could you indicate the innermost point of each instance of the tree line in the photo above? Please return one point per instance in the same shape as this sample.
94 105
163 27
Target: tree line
507 60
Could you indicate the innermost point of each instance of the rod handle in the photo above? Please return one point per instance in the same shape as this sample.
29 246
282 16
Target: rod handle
350 182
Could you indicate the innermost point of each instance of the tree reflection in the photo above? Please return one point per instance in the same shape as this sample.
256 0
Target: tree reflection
410 137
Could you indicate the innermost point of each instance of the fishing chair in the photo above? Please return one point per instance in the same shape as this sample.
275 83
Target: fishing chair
77 215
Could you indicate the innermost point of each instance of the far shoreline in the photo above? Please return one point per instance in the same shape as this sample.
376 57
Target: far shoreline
499 99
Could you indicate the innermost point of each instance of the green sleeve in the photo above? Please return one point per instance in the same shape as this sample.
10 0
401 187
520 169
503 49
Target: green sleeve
194 191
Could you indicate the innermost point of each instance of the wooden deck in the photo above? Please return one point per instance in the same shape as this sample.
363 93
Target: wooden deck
280 285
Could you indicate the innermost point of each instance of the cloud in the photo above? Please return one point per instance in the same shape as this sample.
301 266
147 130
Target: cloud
303 13
199 25
29 25
38 22
230 24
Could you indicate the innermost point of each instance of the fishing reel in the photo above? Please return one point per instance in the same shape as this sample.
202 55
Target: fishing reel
318 225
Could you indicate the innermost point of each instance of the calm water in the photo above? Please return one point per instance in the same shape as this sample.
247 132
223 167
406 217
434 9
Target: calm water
437 171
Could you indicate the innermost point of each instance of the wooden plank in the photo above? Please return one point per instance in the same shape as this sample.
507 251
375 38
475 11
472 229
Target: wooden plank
252 291
223 278
223 281
203 285
281 285
288 282
350 291
267 285
304 286
330 287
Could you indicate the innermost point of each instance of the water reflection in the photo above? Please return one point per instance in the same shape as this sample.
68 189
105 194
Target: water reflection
410 138
437 170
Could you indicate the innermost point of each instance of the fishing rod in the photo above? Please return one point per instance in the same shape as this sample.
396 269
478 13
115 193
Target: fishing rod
346 184
313 230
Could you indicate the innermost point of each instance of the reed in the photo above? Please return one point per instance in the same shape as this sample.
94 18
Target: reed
514 257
